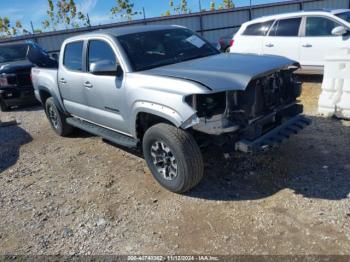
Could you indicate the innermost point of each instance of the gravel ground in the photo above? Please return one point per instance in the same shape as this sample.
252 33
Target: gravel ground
80 195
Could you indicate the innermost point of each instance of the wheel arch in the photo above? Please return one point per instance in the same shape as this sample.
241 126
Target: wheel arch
148 114
146 119
45 93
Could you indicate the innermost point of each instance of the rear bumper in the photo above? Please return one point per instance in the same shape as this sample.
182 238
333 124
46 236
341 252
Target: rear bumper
273 137
18 97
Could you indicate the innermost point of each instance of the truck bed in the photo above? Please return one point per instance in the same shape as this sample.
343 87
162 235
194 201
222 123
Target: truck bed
45 77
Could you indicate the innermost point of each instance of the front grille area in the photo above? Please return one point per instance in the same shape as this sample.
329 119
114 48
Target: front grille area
23 80
20 79
268 93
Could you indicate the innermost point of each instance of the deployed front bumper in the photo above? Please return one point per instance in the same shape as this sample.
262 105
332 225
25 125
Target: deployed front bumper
273 137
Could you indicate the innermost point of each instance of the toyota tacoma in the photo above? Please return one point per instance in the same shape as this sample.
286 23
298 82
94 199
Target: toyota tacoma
167 91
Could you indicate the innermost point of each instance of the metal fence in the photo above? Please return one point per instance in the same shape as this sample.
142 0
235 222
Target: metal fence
212 24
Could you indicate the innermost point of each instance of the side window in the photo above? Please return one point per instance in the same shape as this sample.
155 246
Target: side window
286 27
101 51
259 29
319 26
73 56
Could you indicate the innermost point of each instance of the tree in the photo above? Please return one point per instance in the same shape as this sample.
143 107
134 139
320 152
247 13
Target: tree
5 26
124 9
51 20
7 30
181 8
227 4
212 5
167 13
64 14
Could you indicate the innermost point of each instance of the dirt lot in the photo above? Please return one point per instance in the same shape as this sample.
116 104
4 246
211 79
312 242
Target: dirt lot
80 195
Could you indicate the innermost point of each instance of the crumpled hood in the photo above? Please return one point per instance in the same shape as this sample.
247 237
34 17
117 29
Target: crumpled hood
224 71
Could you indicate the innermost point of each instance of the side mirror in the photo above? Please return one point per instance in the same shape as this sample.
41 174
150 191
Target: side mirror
339 31
104 68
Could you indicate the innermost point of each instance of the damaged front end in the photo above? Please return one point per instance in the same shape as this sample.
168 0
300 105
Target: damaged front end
266 105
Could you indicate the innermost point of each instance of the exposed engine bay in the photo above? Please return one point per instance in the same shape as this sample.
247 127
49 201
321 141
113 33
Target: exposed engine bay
267 102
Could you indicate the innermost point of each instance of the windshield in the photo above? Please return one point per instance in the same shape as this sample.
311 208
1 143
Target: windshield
13 53
345 16
152 49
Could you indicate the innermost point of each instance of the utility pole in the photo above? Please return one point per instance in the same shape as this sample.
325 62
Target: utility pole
200 17
301 6
31 24
88 20
250 10
144 13
33 31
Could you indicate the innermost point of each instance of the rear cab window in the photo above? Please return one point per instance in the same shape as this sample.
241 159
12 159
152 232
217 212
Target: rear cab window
258 29
286 27
73 56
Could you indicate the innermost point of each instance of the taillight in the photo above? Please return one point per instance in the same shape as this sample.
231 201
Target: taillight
232 42
3 80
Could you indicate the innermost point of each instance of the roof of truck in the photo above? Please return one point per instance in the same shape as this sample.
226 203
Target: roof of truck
124 31
137 29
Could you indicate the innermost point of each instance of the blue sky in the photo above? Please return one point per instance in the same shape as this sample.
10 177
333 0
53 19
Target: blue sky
98 10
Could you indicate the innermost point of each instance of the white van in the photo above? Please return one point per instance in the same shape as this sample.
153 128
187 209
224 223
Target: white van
306 37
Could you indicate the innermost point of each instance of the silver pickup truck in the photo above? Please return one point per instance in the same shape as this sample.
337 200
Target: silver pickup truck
168 91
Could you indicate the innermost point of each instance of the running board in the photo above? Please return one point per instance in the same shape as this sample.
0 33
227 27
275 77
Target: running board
103 132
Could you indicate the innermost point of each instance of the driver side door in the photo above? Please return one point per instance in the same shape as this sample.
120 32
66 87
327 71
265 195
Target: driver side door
104 92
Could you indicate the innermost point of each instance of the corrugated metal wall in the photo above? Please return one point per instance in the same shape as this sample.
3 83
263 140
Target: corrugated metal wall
212 25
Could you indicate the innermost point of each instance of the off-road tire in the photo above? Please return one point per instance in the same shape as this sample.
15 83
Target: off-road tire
59 125
184 148
3 106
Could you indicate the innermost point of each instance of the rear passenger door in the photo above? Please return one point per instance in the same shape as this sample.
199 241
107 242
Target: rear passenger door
251 39
70 79
283 38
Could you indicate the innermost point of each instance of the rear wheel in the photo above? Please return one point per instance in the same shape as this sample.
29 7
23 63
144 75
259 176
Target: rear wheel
173 157
57 118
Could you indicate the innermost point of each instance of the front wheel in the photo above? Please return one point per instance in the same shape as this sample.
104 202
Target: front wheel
57 118
173 157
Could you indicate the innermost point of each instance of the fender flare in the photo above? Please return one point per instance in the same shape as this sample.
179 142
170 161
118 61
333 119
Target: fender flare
155 109
55 98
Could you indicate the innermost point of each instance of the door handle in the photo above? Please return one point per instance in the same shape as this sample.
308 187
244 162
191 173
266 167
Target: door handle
269 45
307 45
63 81
88 84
